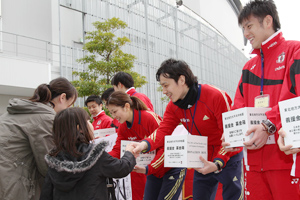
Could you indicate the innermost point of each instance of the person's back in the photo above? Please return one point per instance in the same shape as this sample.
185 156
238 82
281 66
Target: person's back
22 165
26 137
78 168
85 177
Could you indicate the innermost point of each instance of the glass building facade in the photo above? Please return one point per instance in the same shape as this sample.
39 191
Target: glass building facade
157 29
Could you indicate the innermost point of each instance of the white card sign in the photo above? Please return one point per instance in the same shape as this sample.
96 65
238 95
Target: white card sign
104 132
183 151
143 159
237 122
123 188
290 120
110 139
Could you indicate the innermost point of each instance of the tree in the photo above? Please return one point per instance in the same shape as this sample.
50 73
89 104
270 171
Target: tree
105 59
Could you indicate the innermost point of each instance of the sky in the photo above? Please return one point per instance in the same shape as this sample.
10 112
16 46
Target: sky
289 15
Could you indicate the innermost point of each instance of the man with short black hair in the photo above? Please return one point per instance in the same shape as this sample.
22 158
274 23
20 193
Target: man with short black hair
267 169
199 108
101 120
123 81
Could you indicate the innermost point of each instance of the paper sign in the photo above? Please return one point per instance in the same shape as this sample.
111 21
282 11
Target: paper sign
104 132
123 188
290 120
143 159
122 185
183 151
237 122
110 139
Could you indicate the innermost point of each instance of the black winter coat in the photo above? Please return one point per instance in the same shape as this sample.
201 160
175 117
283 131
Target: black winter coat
84 178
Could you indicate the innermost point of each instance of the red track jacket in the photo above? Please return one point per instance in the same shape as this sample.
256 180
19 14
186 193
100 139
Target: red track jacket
291 89
144 123
102 121
207 122
141 96
277 54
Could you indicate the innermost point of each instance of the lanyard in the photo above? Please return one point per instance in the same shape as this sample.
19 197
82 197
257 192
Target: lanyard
262 73
193 116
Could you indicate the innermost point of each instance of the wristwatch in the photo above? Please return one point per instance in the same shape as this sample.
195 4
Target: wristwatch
269 126
219 168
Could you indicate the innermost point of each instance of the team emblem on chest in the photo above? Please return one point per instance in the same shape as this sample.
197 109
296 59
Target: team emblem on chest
280 58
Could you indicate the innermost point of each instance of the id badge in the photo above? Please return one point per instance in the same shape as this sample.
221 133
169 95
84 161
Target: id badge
262 101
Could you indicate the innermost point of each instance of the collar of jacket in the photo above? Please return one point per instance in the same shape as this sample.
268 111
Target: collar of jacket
190 98
270 44
131 91
77 166
99 115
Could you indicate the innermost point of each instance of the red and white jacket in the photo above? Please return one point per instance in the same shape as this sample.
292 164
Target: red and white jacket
102 121
291 89
211 103
132 92
115 123
277 54
144 123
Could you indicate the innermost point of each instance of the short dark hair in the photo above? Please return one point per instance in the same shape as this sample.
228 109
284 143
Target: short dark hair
107 93
70 128
95 98
124 78
260 9
172 68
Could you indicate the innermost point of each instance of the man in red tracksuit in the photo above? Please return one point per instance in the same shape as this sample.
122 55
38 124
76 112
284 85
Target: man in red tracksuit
267 168
123 81
101 120
199 108
291 89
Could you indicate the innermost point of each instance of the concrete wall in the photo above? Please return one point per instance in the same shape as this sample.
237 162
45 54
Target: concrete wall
30 18
20 76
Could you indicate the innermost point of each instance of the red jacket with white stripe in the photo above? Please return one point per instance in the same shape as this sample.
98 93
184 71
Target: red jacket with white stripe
144 123
141 96
291 89
277 54
211 104
102 121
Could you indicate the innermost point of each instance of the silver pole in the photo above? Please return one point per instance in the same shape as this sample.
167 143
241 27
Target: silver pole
59 30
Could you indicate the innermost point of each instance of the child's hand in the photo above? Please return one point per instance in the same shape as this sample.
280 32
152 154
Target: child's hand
130 148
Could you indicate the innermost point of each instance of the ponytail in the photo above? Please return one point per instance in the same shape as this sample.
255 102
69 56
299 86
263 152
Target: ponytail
138 104
45 93
41 94
120 99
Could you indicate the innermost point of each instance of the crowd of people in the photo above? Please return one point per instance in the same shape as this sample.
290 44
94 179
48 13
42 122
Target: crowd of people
47 149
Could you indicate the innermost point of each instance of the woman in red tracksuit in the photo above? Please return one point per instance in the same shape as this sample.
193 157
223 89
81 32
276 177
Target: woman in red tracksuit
137 123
